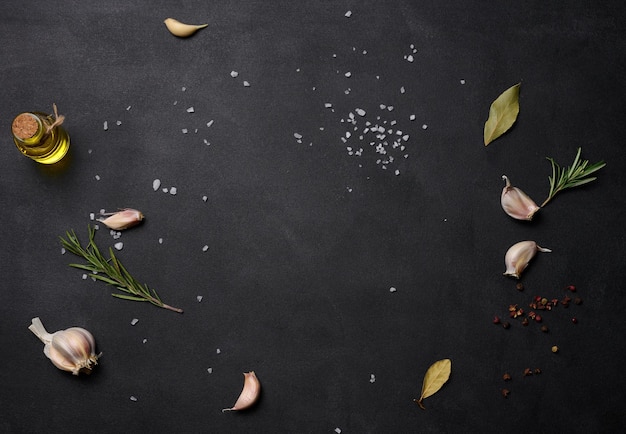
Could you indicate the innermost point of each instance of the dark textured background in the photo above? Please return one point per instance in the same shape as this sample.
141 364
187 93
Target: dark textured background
304 239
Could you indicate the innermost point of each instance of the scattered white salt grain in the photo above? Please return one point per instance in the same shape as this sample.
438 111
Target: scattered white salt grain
190 110
205 198
134 321
372 378
246 84
234 74
217 351
118 123
462 81
397 172
160 240
84 276
297 135
409 58
133 398
145 340
402 89
412 117
338 430
185 130
390 107
382 106
208 124
89 151
106 125
206 142
348 14
97 177
156 184
183 88
392 289
205 248
210 370
175 102
63 250
173 190
364 52
327 105
424 126
92 216
348 74
360 112
199 298
349 189
119 246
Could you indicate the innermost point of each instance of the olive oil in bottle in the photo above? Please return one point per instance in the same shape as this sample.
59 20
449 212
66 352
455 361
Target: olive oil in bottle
40 136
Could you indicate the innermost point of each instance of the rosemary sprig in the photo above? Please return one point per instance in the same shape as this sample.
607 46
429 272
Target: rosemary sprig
572 176
110 271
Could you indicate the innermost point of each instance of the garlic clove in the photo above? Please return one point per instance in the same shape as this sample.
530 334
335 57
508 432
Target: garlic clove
249 394
123 219
516 203
182 30
71 350
519 255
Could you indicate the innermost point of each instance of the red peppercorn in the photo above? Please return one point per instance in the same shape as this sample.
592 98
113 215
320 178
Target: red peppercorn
496 320
506 324
574 320
572 288
538 318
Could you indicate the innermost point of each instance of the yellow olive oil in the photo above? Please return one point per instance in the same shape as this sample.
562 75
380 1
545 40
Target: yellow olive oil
38 136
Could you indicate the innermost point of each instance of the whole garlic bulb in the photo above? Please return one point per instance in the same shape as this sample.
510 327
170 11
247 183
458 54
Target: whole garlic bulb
71 350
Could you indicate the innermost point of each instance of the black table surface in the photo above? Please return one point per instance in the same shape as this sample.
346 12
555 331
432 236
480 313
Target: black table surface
298 243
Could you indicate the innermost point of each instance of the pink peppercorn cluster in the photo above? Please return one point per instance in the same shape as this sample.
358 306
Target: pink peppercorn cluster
538 303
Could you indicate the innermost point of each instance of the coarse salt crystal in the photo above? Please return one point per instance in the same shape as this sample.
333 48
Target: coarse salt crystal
63 250
118 123
397 172
402 89
217 351
173 190
246 84
327 105
297 135
84 276
160 240
119 246
190 110
165 189
372 378
145 340
106 125
392 289
97 177
360 112
205 198
338 430
348 14
210 370
234 74
462 81
134 321
208 124
185 130
412 117
409 58
183 88
424 126
205 248
92 216
128 108
156 184
199 298
348 74
133 398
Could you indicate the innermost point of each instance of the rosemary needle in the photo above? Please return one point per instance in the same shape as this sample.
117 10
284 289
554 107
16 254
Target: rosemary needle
110 271
573 176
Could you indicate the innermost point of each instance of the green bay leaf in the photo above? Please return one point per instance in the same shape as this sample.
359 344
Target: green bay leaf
502 114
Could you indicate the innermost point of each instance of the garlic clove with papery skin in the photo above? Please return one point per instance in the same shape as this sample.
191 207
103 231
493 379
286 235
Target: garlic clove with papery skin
123 219
519 255
516 203
71 350
249 394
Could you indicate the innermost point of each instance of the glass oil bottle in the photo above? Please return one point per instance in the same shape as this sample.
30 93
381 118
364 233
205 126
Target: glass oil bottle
40 136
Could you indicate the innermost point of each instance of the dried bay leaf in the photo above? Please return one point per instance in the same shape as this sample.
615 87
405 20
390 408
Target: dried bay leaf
502 114
435 378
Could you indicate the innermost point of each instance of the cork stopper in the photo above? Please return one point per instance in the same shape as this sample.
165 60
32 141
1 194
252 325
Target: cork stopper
24 126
